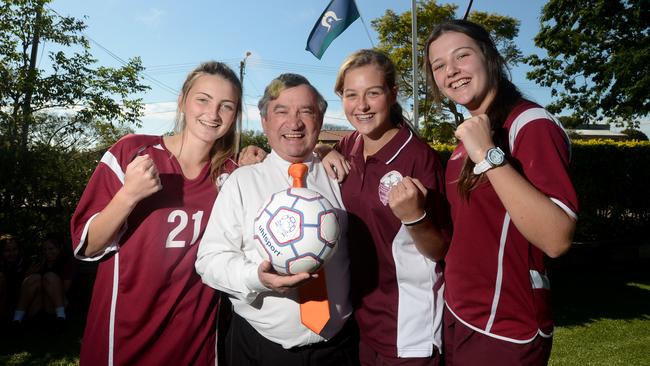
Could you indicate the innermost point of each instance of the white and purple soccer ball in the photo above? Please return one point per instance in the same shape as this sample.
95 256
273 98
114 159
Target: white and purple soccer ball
296 230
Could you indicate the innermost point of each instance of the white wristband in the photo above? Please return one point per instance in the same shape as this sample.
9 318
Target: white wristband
416 221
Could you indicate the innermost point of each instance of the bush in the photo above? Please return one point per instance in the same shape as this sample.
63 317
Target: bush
634 134
611 179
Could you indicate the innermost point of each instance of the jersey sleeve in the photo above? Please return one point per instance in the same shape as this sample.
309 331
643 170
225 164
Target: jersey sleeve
104 183
220 260
541 150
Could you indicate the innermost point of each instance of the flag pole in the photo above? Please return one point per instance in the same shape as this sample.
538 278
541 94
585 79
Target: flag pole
467 11
364 25
414 46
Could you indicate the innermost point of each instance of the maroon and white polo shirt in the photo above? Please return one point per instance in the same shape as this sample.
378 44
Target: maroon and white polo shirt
396 291
495 280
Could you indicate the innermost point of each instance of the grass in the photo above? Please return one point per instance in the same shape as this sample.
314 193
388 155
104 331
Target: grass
602 309
39 346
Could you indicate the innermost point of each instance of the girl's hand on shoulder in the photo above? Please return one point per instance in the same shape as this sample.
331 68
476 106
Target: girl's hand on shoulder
141 179
476 135
251 154
407 199
335 165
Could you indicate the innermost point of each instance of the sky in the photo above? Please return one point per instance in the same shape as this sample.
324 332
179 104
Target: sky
172 37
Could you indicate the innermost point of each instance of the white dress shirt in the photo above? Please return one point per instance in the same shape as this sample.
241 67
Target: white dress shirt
228 258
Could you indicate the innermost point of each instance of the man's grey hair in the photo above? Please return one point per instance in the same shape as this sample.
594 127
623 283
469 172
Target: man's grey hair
284 82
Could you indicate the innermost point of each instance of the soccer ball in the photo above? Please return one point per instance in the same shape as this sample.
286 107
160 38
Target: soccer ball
296 230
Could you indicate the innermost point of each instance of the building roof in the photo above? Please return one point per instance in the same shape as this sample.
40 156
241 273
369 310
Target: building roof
333 136
587 132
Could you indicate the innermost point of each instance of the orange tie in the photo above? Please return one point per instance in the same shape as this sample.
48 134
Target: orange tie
314 307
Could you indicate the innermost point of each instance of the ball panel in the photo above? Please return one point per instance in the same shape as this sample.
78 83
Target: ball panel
297 230
305 263
303 193
263 208
286 226
329 227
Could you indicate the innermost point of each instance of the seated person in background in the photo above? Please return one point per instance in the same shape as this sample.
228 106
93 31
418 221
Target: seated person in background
12 272
48 280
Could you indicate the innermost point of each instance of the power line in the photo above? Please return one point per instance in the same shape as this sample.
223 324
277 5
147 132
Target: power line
120 60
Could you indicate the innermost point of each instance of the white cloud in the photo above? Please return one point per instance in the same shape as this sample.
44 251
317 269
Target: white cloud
158 118
251 119
152 18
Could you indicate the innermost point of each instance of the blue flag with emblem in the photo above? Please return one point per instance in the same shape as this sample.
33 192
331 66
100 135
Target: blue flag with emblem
336 18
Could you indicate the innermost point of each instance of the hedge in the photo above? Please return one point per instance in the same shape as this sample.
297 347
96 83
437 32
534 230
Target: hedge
612 181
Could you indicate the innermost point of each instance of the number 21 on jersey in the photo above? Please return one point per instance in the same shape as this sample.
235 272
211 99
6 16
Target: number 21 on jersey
182 218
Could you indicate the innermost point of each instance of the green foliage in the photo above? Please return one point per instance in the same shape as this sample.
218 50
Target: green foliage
611 180
634 134
257 138
51 111
52 185
598 62
394 33
572 122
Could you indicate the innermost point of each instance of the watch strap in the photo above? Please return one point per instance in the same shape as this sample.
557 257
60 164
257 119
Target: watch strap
482 167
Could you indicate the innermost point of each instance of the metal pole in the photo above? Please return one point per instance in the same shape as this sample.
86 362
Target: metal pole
414 46
242 67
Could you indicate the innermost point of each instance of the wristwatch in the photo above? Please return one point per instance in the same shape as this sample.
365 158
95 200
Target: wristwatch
493 158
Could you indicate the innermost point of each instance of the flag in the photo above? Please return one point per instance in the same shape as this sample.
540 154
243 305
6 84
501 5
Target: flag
336 18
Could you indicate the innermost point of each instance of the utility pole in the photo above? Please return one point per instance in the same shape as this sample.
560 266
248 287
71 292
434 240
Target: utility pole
242 68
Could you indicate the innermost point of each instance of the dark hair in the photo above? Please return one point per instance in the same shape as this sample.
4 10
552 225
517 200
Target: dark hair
55 239
4 240
498 76
284 82
383 62
228 145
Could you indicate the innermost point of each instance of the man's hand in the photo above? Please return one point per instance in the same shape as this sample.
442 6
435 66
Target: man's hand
251 154
280 283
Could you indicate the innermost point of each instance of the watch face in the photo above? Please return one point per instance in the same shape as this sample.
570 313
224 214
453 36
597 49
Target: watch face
495 156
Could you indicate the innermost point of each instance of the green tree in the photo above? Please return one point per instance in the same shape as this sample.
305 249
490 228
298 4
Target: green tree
53 107
257 138
598 62
572 121
634 134
394 32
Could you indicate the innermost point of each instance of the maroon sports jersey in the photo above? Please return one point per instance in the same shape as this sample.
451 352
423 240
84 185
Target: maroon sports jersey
495 280
396 291
149 307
